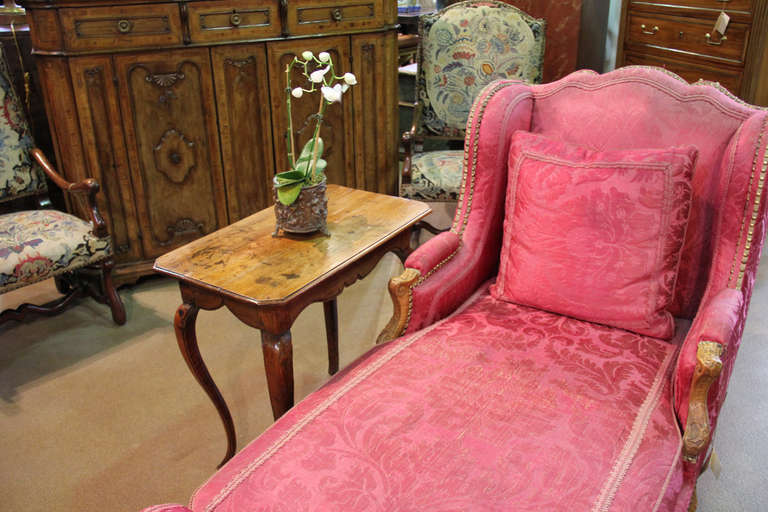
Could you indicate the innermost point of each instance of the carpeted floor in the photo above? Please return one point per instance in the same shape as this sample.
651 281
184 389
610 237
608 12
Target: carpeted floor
95 417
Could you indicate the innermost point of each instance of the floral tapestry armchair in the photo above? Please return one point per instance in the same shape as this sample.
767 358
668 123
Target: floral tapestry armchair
462 48
43 243
485 403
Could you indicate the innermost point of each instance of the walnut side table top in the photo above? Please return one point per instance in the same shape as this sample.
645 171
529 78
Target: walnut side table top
266 281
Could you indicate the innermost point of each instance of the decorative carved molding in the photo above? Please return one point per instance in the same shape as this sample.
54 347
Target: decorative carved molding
165 79
175 156
697 429
400 293
91 74
183 227
240 63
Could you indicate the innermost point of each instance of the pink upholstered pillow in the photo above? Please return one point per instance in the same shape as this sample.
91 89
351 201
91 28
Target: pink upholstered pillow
595 235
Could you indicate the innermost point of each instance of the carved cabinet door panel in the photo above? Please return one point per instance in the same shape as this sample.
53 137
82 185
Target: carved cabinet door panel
98 112
171 134
375 102
336 131
242 100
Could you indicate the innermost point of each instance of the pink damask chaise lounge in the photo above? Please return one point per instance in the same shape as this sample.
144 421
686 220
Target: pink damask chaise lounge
568 344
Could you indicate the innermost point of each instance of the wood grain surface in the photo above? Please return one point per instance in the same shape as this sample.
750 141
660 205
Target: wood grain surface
244 260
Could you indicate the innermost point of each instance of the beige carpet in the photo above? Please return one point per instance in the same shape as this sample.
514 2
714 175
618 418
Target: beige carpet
95 417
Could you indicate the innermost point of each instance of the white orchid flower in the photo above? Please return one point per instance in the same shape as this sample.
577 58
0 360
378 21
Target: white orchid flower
317 75
349 78
307 55
324 56
332 94
298 92
344 87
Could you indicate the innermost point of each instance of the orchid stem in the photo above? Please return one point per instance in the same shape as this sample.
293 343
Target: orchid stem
315 145
291 142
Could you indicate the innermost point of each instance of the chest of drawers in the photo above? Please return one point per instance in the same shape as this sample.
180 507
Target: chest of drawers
178 107
679 35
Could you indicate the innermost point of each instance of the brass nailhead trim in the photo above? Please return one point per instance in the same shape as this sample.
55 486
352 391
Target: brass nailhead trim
473 122
756 203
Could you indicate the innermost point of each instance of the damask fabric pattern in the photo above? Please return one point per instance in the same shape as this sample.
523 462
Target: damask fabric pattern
19 176
38 244
435 176
506 406
595 235
466 46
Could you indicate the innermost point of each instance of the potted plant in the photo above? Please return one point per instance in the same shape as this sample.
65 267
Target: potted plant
300 202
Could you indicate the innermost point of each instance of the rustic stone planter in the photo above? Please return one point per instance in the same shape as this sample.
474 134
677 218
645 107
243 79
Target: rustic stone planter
306 215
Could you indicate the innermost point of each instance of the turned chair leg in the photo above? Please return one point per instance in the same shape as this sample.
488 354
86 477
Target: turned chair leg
110 292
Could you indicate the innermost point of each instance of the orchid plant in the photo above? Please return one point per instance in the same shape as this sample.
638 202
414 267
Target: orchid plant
308 168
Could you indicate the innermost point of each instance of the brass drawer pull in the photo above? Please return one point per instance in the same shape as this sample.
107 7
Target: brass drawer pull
235 19
124 26
710 42
651 32
336 14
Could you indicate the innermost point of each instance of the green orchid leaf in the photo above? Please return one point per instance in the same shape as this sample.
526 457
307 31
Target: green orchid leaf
287 194
307 150
302 166
289 176
321 165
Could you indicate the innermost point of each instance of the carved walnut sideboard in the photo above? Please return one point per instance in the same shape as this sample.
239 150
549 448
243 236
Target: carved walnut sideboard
178 107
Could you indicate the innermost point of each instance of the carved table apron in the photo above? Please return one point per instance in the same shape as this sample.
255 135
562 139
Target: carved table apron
266 282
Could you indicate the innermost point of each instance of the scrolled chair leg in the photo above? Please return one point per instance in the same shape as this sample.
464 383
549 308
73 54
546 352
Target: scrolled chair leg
697 428
110 292
400 293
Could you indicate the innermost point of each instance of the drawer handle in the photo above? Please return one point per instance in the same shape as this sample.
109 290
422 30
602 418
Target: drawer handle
124 26
235 19
336 14
651 32
710 42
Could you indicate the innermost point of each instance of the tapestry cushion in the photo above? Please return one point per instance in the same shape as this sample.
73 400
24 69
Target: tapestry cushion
509 407
38 244
465 47
435 176
595 235
19 175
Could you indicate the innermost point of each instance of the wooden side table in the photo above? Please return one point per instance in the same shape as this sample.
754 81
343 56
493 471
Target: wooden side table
266 282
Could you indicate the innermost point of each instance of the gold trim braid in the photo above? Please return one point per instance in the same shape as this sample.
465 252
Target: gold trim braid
756 202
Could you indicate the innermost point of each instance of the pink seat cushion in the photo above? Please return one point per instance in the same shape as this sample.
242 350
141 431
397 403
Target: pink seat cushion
506 406
595 235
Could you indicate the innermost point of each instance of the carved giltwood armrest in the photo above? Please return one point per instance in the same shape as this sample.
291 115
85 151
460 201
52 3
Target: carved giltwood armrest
400 292
420 265
86 189
697 428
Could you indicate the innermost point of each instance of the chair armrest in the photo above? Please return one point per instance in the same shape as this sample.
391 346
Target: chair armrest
420 265
408 140
699 365
88 188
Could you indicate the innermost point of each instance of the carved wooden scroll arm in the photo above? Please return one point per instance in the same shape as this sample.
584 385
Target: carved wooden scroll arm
409 140
400 292
87 188
697 428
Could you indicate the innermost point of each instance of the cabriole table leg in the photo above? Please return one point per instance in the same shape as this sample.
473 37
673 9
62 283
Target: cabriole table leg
184 324
278 364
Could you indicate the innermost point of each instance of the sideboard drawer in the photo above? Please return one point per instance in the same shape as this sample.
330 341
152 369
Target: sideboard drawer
688 35
728 78
233 20
101 28
727 5
319 17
